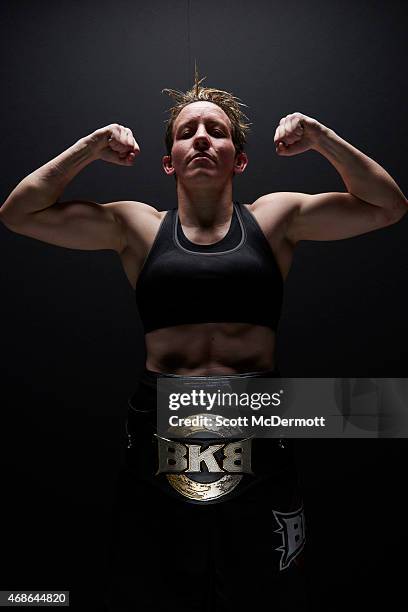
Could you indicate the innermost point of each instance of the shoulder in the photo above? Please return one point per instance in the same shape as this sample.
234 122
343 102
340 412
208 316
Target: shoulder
280 201
128 210
139 223
274 211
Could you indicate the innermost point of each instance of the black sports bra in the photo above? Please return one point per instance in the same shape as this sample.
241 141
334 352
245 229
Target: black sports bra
233 280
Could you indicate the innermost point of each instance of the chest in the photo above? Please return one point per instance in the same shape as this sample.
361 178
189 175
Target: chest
242 259
182 265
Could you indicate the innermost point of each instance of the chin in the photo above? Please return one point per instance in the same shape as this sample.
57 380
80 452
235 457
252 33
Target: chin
199 175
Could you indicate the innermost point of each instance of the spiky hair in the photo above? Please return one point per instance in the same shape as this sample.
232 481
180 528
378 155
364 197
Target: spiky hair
224 99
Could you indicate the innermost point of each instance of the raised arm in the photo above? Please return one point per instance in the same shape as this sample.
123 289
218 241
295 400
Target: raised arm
32 208
373 199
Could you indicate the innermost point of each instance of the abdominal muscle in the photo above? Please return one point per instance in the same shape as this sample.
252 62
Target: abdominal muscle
210 348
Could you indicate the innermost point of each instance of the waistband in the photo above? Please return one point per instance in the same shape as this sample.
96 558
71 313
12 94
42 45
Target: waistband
149 378
150 375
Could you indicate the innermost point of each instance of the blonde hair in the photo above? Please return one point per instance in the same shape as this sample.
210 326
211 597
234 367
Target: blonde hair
224 99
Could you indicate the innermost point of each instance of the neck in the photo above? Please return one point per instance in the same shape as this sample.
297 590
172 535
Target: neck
205 206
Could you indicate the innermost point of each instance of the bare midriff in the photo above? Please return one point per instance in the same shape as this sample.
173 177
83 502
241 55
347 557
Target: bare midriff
207 349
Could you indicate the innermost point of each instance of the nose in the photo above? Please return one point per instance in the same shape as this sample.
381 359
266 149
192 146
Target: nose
201 140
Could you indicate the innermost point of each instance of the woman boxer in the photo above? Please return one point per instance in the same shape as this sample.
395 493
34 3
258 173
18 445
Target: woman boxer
208 278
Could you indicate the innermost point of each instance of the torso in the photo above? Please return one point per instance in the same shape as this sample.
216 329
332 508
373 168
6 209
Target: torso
205 348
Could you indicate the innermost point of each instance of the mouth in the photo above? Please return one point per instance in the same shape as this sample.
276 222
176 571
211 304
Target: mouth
201 156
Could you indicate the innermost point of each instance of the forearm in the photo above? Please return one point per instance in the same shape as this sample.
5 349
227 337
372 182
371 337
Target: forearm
44 186
362 176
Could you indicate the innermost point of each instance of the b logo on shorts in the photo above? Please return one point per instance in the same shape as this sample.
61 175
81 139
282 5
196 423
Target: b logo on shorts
292 529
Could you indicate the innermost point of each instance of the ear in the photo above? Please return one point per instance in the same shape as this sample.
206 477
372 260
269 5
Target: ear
167 165
241 162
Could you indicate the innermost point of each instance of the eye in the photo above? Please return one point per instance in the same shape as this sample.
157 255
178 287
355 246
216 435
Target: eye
215 131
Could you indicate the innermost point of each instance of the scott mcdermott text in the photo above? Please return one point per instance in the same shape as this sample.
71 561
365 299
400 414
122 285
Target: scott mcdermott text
277 421
244 421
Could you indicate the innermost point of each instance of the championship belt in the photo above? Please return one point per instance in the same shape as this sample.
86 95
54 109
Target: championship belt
202 465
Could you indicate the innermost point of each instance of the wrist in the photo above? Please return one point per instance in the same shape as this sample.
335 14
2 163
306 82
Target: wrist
90 147
323 138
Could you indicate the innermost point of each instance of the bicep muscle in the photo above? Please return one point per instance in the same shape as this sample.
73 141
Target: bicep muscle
335 216
75 225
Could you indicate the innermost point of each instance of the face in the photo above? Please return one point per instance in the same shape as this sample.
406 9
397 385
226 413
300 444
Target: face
203 146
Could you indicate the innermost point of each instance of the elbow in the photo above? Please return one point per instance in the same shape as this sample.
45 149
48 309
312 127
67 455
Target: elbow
8 216
400 210
2 214
4 221
389 216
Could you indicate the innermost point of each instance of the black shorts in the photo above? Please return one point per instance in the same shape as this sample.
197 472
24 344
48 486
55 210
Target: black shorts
244 548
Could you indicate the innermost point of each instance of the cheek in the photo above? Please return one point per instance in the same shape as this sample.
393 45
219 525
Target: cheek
228 155
228 150
177 154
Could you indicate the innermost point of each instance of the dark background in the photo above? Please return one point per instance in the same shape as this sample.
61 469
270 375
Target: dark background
72 345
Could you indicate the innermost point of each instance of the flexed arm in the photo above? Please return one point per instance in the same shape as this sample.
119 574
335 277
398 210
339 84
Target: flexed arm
31 208
374 200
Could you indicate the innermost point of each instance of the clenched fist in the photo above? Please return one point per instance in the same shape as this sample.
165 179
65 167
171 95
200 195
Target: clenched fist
297 133
114 143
